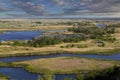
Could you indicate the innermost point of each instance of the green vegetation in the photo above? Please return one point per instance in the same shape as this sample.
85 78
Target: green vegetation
95 69
117 25
112 73
47 40
43 41
3 77
47 77
94 32
65 65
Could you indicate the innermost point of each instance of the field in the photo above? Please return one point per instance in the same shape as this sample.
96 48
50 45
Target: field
63 65
31 24
82 47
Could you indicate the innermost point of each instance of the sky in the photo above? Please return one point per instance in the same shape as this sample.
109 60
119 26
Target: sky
59 8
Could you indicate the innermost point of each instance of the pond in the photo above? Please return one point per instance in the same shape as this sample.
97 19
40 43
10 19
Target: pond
19 35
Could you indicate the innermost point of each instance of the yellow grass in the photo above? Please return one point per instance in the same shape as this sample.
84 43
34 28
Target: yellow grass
54 27
64 64
6 49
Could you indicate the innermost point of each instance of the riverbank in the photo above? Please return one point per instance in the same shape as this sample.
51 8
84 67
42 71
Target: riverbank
3 77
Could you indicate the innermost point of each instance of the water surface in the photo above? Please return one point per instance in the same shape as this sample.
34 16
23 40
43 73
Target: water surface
19 35
21 74
18 74
101 25
106 57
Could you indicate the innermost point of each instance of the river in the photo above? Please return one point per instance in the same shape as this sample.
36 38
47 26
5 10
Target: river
21 74
24 58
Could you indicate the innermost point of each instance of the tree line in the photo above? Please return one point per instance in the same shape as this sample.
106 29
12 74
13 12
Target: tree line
95 32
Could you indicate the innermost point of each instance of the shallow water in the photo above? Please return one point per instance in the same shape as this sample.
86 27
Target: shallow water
19 35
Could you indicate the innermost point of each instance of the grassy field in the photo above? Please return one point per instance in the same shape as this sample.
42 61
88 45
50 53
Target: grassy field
83 47
31 24
65 65
61 65
62 27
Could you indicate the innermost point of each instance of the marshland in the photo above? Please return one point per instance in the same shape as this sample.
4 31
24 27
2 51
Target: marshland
59 49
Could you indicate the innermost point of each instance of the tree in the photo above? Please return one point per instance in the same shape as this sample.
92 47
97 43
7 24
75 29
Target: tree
80 77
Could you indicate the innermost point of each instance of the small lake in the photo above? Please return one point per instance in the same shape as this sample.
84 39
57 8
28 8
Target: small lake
106 57
19 35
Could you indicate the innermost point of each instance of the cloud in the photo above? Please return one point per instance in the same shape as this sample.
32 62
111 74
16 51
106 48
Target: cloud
93 6
3 8
58 2
52 8
29 7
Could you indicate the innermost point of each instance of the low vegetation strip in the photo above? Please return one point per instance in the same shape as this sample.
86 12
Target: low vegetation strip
74 48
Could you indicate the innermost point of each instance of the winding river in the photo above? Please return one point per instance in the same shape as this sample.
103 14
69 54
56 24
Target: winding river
105 57
21 74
